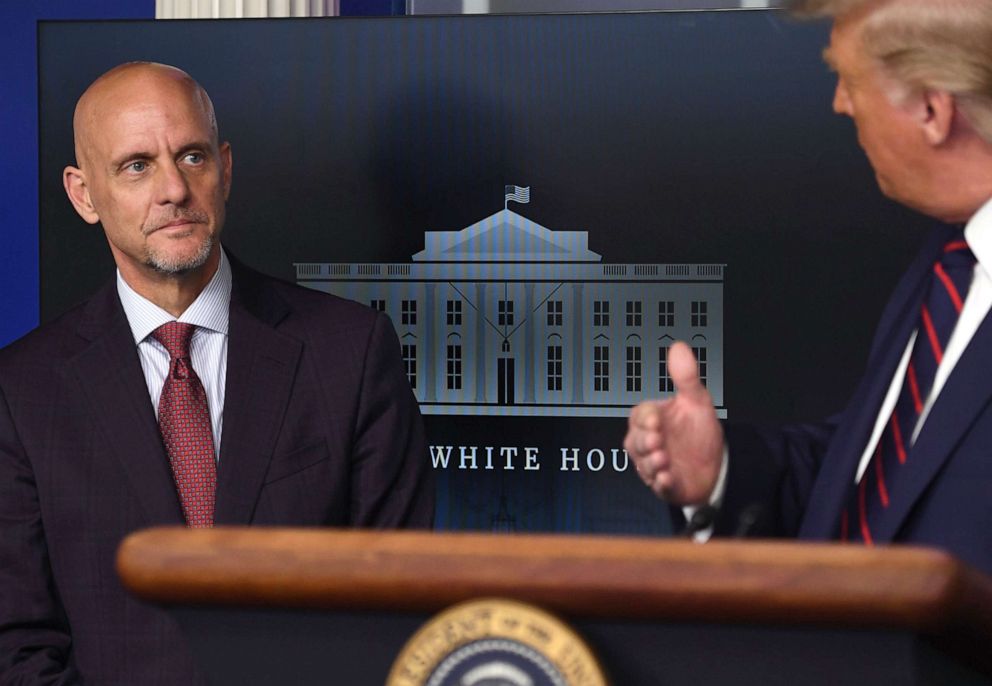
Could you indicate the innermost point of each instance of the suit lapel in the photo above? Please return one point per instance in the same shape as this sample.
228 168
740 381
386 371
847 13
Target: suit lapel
261 368
110 376
839 465
964 396
836 477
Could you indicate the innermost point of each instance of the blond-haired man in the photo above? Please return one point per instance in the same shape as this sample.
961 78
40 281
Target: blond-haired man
908 460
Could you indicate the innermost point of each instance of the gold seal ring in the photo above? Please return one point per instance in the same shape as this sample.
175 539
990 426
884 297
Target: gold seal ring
495 639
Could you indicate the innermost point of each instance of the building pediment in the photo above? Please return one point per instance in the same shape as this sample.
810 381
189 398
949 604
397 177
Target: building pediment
506 237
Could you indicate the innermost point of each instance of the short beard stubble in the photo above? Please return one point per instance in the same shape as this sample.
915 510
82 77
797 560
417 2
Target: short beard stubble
171 265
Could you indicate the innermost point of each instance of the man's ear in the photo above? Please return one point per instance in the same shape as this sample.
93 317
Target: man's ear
937 116
226 166
74 182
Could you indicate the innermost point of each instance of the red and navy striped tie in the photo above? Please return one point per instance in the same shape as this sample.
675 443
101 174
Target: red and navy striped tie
952 274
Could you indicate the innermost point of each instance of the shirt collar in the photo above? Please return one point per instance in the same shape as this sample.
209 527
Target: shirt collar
978 233
210 310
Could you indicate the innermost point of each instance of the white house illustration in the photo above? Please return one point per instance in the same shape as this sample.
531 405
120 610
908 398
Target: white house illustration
507 317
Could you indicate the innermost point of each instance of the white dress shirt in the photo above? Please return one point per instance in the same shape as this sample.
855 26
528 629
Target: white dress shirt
978 234
208 347
978 302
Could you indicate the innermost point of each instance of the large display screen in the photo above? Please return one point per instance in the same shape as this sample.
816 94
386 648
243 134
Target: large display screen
542 204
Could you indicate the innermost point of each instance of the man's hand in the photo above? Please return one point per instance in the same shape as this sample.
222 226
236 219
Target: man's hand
677 443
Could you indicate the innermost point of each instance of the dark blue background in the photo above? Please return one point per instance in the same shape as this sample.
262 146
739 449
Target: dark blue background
669 137
19 136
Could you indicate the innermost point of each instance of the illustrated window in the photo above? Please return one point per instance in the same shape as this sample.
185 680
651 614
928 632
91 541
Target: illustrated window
554 367
505 312
454 313
454 370
409 351
601 367
408 313
666 313
601 313
633 313
698 313
633 369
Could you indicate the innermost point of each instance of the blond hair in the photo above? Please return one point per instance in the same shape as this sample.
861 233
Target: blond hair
943 45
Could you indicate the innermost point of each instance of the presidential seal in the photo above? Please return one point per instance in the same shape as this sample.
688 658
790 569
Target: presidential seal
495 642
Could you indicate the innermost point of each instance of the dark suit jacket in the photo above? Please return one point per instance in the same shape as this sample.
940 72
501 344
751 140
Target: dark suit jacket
320 428
799 479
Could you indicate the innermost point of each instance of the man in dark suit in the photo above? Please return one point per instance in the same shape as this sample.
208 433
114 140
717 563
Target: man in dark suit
909 460
281 405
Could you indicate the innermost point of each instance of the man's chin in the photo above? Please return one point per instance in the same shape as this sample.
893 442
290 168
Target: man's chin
179 263
915 202
883 185
888 191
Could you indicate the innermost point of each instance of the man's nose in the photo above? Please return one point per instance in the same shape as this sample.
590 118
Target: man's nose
173 188
842 103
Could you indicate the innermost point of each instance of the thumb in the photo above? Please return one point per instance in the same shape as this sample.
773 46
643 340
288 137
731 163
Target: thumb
684 372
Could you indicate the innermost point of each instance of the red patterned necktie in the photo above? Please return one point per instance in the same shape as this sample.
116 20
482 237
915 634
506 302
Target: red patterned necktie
952 274
184 421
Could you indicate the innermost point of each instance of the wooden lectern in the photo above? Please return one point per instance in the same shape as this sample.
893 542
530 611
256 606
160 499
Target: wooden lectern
295 606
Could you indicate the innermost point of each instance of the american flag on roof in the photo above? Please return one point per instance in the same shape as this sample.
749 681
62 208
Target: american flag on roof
518 194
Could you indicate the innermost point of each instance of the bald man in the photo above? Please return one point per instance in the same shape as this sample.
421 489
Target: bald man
189 390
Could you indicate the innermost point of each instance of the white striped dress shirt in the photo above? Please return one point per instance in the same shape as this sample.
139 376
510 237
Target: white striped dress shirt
208 347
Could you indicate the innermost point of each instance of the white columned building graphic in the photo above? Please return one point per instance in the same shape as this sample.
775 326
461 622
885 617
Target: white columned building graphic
507 317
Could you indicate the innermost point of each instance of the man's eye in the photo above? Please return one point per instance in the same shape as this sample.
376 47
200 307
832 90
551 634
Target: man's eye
194 158
137 167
